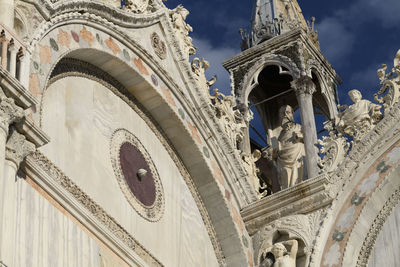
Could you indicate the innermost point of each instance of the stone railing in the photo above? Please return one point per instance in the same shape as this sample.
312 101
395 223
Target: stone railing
13 54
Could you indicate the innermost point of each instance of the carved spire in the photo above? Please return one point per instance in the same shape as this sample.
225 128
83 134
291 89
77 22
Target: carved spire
275 17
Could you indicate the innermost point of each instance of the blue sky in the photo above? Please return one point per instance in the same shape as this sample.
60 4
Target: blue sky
356 36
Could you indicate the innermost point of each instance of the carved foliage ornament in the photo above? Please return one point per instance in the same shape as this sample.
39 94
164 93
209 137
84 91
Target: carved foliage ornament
9 112
137 175
389 93
17 148
158 45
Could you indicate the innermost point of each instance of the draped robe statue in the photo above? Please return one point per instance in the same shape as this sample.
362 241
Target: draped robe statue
291 152
358 119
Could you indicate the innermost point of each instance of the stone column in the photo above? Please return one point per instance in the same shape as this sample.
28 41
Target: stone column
305 88
7 13
13 59
4 49
9 113
24 69
17 149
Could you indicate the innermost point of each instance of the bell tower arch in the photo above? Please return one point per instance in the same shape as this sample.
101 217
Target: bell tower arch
281 65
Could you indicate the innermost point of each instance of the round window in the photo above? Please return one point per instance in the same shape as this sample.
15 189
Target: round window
137 175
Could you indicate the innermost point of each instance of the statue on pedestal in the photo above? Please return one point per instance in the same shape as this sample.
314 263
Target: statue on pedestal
290 153
358 119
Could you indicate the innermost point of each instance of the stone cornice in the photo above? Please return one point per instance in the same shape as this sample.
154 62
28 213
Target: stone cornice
32 132
51 179
14 89
303 198
275 44
117 16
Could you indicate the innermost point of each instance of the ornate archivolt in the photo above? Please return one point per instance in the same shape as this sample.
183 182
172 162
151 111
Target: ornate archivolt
249 80
296 227
380 146
102 32
73 67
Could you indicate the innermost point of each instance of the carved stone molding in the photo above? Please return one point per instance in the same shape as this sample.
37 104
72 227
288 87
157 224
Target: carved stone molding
9 112
154 211
17 148
158 45
83 69
371 147
376 228
304 85
302 198
39 160
244 74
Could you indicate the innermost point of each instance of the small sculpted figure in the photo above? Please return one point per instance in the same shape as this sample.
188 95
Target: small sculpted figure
282 257
358 119
290 155
178 17
249 163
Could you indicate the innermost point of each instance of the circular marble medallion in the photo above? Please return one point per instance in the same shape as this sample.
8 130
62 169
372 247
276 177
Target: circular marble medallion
136 174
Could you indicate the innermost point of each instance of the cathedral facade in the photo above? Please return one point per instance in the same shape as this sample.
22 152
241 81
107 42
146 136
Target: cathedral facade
115 153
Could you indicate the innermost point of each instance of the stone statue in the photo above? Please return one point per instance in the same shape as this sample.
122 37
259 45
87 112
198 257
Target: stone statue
199 67
232 120
290 153
358 119
182 29
279 250
249 163
389 94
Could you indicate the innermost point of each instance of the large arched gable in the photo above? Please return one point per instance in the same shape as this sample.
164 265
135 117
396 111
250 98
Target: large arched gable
99 46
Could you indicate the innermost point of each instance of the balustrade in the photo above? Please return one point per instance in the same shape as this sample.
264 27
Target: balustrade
12 54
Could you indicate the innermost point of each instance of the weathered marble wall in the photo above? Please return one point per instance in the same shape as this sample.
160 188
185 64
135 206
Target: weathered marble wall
387 247
35 233
80 115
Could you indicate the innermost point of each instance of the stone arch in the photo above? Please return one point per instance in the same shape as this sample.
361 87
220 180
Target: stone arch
356 182
314 67
249 81
148 83
292 227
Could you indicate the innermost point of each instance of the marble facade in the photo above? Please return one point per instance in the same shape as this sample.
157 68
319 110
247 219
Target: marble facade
73 74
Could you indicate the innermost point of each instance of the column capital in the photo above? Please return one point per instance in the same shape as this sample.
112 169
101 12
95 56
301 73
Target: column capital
12 47
18 148
303 85
4 40
9 112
